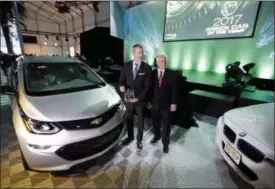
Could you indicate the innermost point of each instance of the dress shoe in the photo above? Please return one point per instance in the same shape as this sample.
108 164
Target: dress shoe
155 139
165 149
127 140
139 145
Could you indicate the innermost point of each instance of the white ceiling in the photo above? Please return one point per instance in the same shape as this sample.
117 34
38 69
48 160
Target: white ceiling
48 10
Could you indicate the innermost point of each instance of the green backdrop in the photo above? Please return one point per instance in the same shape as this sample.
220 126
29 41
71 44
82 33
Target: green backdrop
144 24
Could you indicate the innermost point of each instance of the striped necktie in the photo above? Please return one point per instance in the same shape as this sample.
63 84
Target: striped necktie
160 78
135 71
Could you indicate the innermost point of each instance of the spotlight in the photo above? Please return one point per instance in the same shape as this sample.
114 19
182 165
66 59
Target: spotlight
248 67
45 43
234 72
57 38
55 44
66 39
46 37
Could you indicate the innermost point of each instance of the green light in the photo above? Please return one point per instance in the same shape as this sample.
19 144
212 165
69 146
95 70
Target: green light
187 64
202 63
221 67
175 59
266 72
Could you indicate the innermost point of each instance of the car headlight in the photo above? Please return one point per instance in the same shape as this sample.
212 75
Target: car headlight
39 127
120 106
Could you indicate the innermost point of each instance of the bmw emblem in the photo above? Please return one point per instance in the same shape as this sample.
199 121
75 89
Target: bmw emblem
242 134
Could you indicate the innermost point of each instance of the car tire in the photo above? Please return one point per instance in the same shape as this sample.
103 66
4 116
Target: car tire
24 162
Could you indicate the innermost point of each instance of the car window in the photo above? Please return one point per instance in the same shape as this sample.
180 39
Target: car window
56 78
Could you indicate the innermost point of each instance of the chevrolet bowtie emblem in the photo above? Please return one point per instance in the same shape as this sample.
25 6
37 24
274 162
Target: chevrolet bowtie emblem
96 121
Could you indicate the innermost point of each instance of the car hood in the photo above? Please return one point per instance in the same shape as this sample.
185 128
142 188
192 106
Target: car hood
70 106
257 120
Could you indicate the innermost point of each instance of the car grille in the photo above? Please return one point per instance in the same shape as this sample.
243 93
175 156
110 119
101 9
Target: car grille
248 172
87 123
89 147
250 151
229 133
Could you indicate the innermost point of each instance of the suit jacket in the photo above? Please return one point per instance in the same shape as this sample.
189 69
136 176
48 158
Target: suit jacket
162 97
142 82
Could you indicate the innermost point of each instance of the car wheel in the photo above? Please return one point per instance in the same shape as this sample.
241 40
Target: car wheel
25 164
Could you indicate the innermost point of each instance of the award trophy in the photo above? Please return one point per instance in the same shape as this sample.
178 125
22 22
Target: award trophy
129 95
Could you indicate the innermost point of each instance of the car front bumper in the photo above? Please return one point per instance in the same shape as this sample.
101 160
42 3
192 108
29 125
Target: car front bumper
65 149
258 174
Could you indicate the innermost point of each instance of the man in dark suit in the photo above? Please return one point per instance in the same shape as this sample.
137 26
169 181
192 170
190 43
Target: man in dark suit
164 100
135 75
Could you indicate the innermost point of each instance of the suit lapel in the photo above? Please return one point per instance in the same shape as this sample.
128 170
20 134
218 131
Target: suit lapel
156 78
131 72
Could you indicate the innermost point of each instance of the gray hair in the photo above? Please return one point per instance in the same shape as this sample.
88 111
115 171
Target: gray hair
162 55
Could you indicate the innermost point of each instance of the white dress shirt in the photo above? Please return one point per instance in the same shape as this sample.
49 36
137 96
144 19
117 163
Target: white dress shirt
159 70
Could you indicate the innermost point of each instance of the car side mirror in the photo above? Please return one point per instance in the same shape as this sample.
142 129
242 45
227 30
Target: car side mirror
7 90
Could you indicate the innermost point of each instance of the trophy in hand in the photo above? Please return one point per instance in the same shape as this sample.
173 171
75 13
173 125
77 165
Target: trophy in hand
129 95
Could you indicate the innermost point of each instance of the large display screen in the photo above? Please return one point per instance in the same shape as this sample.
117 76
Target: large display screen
191 20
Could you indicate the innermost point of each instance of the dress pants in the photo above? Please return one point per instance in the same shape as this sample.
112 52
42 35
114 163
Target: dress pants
165 117
131 108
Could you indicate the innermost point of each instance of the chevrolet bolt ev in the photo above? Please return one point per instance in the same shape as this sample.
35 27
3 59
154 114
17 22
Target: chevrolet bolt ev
63 112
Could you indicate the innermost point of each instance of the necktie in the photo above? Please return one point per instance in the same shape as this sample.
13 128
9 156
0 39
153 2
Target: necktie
160 78
135 70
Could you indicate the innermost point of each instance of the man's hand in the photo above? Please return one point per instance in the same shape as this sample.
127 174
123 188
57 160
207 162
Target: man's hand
173 107
122 89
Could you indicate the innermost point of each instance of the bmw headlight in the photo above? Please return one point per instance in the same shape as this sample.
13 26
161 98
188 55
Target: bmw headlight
120 106
39 127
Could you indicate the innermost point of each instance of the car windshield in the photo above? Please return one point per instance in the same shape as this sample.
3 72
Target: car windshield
57 78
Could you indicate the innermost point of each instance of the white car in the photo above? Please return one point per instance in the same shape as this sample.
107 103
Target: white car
245 138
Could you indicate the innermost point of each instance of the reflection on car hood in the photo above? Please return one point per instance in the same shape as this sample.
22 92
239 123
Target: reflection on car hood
70 106
257 120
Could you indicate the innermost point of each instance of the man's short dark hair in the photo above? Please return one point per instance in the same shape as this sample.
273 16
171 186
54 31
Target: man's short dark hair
138 46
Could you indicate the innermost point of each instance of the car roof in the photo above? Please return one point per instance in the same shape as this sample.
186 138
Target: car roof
50 59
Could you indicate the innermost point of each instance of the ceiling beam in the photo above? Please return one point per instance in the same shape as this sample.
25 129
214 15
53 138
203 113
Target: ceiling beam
60 15
44 10
36 32
55 21
39 7
75 12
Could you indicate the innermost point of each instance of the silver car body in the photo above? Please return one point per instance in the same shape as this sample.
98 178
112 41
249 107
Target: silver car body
40 150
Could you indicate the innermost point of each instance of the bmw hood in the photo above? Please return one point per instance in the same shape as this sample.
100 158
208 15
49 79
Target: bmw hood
257 120
70 106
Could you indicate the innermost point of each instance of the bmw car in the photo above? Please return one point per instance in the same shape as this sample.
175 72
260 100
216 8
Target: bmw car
63 112
245 138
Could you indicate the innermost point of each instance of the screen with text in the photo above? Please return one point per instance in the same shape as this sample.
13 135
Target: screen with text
191 20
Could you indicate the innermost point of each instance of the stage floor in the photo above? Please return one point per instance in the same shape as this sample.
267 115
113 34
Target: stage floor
192 162
207 78
214 81
259 95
